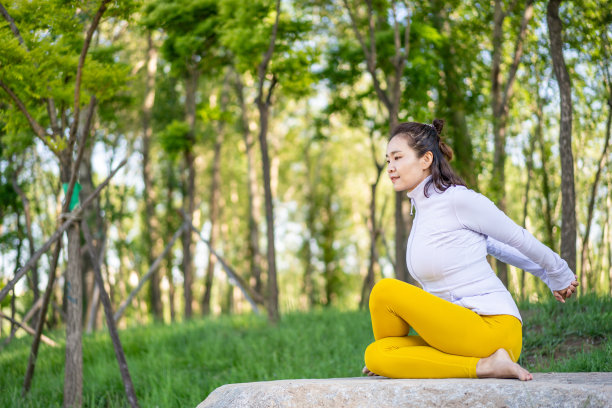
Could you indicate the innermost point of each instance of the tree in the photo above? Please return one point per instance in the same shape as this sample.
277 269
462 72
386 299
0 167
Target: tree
190 46
501 94
56 122
389 96
267 53
568 212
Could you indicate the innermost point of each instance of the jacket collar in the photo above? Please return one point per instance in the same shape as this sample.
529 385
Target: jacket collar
419 191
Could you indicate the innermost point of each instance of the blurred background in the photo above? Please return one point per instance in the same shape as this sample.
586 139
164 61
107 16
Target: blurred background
266 123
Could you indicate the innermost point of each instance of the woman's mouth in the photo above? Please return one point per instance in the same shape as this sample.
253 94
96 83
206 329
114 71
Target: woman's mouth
394 179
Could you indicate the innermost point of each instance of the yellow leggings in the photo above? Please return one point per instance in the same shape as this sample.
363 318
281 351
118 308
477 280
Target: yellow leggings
451 338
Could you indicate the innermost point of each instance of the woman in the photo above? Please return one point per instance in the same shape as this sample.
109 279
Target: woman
467 321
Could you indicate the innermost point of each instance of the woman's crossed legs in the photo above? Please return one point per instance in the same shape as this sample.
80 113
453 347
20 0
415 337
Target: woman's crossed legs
453 341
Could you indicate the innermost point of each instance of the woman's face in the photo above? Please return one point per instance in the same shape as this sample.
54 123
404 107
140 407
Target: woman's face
404 168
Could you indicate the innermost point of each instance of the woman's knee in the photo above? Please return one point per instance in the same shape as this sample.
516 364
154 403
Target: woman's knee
382 290
372 358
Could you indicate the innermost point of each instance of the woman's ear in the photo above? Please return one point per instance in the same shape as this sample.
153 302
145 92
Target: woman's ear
426 160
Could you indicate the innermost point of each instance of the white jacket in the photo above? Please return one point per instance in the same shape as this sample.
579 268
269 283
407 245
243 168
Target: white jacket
452 233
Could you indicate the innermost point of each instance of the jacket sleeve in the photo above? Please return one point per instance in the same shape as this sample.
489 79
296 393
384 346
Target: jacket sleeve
476 212
512 256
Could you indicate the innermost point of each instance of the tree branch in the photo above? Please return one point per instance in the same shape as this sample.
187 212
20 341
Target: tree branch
147 275
262 68
36 127
370 59
12 25
50 102
79 74
28 329
270 89
248 293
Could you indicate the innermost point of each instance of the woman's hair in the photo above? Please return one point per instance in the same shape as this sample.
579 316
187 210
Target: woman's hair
423 138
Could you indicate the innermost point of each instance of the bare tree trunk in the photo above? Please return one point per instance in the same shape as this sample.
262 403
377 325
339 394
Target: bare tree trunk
73 380
591 207
273 313
214 200
191 87
373 226
599 282
17 262
253 195
609 237
548 210
501 93
454 106
263 105
532 139
92 310
28 218
94 218
568 211
150 225
169 258
311 216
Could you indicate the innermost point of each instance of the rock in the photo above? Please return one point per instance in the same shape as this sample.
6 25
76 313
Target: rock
545 390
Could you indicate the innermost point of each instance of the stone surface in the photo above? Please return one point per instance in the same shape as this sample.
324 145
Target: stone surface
546 390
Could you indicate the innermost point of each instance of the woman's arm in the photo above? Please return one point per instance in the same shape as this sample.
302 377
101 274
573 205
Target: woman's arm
512 256
476 212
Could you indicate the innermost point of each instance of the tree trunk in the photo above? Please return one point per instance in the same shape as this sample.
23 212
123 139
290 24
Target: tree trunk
254 201
368 282
568 211
501 93
609 237
532 139
28 219
150 224
402 229
453 108
499 132
191 86
94 218
591 207
311 217
273 312
214 202
73 380
169 228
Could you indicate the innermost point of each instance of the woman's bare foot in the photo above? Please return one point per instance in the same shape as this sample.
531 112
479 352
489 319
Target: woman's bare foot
367 372
499 365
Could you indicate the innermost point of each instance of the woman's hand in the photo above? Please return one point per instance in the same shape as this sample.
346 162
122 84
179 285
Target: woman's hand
563 294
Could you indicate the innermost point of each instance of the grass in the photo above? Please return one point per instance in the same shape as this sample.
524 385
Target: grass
179 365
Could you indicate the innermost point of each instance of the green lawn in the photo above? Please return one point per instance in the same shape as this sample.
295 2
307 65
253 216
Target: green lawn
180 365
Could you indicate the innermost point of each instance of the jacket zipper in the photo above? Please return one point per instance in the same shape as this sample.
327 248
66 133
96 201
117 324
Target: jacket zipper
411 238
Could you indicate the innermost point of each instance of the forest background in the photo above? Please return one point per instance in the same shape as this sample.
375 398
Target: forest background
264 124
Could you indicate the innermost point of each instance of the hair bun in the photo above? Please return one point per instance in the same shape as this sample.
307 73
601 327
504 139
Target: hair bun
438 124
